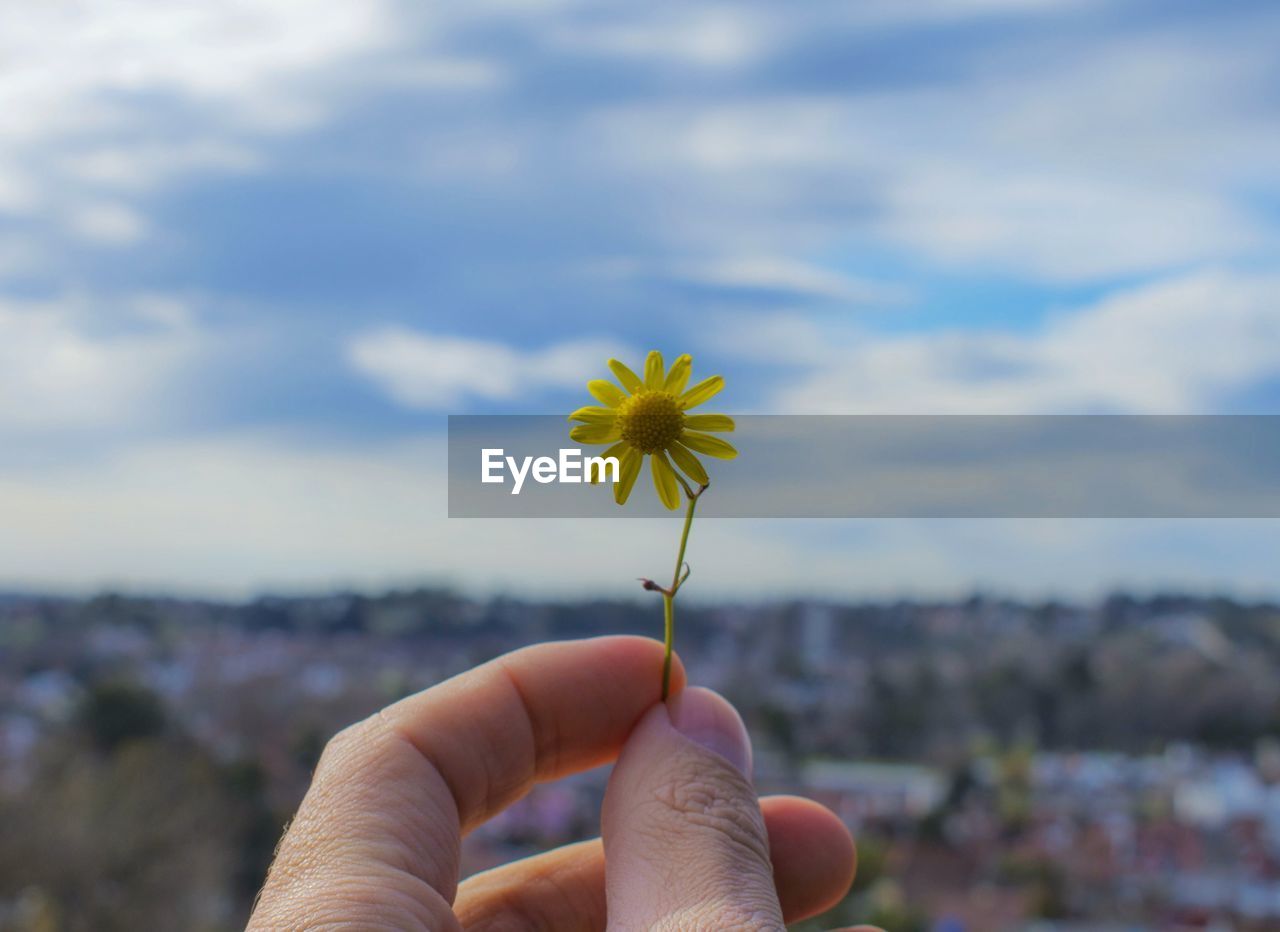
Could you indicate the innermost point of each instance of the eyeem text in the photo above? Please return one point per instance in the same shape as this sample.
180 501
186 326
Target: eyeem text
571 466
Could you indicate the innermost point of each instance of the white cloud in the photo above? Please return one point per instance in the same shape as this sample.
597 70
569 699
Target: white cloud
432 371
90 92
57 374
438 72
890 13
1074 166
765 273
19 256
112 224
140 165
708 36
237 515
1060 226
65 56
779 275
1066 161
1178 346
769 273
1069 159
106 101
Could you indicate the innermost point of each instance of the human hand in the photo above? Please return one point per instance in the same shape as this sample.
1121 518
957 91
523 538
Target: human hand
375 843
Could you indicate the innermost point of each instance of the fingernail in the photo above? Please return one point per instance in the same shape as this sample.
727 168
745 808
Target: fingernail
710 721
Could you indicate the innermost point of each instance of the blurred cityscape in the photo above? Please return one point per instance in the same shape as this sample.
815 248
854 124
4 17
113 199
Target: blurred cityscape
1003 765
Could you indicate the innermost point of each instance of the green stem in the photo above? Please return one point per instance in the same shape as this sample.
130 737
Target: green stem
669 597
669 629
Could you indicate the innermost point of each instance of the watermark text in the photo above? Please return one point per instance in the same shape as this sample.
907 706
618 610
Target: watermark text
570 466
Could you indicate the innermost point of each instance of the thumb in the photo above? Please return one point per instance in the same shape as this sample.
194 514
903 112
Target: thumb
685 844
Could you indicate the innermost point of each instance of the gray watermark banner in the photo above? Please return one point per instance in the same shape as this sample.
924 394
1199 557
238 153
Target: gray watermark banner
856 466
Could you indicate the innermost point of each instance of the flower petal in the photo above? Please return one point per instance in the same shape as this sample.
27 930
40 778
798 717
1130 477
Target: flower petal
596 433
628 469
606 392
630 381
705 389
705 443
678 377
654 371
592 415
717 422
664 480
689 464
618 449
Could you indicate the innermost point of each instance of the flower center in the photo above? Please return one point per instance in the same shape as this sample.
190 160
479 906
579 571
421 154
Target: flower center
650 421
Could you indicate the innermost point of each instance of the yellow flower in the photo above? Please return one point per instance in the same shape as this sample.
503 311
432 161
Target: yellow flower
646 417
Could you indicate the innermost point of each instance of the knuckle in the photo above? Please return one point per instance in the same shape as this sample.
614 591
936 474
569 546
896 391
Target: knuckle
359 746
377 902
342 746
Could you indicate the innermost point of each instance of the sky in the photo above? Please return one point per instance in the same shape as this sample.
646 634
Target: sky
251 253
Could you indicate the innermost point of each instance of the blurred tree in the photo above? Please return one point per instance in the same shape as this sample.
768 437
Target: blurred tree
260 827
140 839
114 713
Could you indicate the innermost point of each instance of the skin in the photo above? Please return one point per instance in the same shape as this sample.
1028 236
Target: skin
687 844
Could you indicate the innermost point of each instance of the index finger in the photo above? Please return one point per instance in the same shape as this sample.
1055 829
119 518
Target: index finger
395 792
